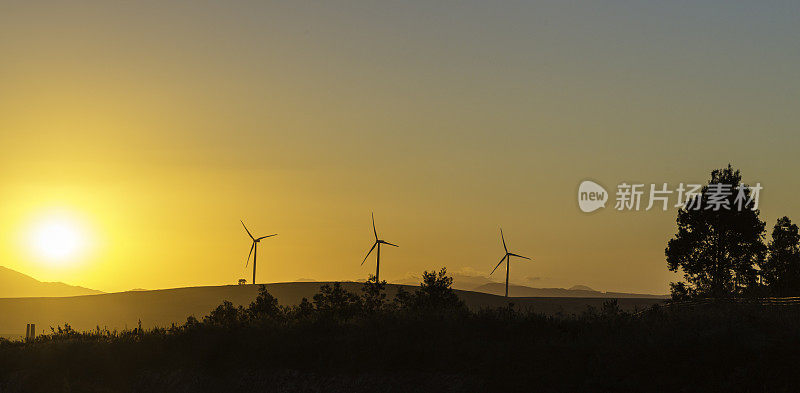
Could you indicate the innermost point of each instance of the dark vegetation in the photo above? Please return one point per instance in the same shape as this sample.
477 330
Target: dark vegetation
421 341
722 251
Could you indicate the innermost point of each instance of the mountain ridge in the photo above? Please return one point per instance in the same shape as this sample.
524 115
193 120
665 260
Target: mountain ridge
14 284
576 291
480 283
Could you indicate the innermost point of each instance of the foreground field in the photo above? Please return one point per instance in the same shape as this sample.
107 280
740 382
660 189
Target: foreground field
165 307
725 348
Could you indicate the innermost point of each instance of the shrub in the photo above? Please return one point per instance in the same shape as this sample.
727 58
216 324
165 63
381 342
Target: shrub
336 302
225 315
265 306
434 295
374 295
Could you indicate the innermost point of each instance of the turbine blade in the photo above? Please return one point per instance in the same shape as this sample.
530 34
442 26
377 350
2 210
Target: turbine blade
369 252
499 263
390 244
518 256
264 237
248 231
504 240
375 231
248 255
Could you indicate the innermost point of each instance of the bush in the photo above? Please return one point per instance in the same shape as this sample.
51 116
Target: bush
336 303
225 315
435 295
374 296
265 306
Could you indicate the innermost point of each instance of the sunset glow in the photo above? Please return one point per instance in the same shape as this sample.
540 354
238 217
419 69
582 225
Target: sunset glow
58 240
166 129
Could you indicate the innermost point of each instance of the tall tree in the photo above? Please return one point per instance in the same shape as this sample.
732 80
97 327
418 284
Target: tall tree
719 240
435 294
781 270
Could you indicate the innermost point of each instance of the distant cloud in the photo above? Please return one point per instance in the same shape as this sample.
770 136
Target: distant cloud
469 272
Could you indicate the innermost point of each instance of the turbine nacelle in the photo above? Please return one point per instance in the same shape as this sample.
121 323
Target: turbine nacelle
508 255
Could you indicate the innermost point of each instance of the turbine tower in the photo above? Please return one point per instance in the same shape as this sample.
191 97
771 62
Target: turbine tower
507 259
253 249
377 243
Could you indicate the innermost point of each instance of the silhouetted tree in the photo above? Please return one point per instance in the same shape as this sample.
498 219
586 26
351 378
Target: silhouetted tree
781 270
304 310
224 315
435 294
374 296
334 301
264 306
191 322
717 250
680 291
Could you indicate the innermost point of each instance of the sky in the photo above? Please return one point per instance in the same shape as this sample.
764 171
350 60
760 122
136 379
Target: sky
148 129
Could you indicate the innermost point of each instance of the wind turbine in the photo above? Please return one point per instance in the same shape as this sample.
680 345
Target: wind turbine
507 259
253 249
377 243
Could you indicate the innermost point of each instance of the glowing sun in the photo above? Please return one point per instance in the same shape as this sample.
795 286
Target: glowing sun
57 240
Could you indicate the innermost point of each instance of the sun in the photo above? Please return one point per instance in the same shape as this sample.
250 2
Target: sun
58 240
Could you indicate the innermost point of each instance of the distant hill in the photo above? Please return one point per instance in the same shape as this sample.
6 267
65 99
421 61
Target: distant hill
580 291
480 283
16 284
166 306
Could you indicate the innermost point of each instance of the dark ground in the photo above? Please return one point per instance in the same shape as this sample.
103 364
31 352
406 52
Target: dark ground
730 348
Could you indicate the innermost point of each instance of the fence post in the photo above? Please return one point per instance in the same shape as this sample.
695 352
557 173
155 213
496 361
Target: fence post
30 332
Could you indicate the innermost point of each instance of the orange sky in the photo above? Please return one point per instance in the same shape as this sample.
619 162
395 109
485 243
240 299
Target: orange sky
157 126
